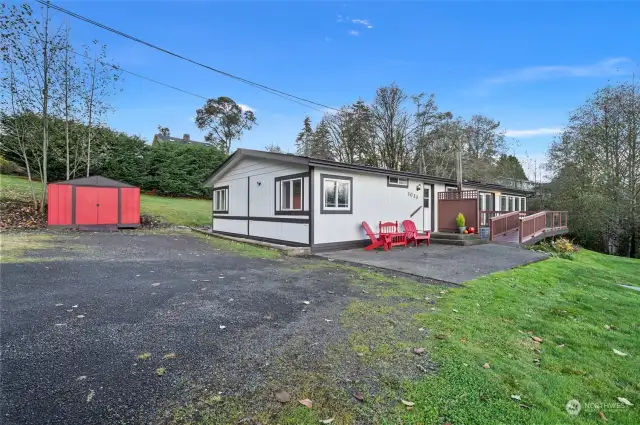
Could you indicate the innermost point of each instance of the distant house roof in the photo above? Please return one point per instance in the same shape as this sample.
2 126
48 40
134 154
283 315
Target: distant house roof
184 140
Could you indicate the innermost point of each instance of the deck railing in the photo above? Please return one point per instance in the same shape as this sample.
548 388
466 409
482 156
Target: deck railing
504 223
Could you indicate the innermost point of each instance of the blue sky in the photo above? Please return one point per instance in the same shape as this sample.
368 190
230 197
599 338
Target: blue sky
526 64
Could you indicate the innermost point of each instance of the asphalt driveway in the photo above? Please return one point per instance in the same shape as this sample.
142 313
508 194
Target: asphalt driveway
78 312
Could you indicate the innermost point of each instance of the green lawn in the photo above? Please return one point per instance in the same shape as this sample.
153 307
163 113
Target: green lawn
179 211
575 306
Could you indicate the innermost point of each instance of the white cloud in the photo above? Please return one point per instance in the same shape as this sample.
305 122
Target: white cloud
246 107
340 18
533 132
354 33
608 67
362 22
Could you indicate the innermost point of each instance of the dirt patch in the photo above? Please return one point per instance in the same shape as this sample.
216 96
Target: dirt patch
21 215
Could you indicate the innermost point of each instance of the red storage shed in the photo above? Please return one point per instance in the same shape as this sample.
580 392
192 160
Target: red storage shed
93 202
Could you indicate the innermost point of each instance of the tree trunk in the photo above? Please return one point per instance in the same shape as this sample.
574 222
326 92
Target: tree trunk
93 74
45 109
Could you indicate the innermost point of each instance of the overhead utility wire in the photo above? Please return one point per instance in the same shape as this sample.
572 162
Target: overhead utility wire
119 68
285 95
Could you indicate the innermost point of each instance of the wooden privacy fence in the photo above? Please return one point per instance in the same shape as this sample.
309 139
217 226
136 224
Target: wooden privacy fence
452 203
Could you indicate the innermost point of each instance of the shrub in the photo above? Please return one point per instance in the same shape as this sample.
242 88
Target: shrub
460 220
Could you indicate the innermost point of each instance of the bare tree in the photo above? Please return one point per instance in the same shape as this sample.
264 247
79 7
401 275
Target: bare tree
99 81
595 166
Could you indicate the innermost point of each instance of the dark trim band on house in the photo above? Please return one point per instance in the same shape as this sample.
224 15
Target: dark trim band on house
398 184
258 238
228 195
277 201
311 205
270 219
322 196
331 246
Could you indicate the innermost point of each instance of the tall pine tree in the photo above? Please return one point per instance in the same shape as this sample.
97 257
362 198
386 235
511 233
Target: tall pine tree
305 139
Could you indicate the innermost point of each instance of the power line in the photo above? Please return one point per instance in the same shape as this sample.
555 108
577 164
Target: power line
282 94
119 68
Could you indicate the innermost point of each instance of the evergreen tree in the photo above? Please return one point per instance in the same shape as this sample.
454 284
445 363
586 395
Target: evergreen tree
305 139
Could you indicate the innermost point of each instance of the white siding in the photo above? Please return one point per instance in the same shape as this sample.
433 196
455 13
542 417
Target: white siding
373 201
293 232
230 226
254 180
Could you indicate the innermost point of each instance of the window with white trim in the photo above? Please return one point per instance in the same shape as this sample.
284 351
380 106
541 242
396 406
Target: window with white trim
503 203
397 181
451 188
221 200
511 204
337 194
523 204
517 199
291 195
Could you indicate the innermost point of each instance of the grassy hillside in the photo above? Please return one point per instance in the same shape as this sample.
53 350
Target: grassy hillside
179 211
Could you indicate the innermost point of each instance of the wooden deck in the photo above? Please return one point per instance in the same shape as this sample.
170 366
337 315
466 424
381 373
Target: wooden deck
526 227
513 237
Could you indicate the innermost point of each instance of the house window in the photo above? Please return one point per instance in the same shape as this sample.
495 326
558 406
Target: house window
291 195
523 204
397 181
427 197
517 204
451 188
503 203
337 194
511 204
221 200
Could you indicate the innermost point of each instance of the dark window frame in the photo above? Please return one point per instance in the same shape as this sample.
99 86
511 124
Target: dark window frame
389 184
227 197
336 177
277 199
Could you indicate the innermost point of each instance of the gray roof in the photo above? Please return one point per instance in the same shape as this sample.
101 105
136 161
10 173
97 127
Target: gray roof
304 160
98 181
179 140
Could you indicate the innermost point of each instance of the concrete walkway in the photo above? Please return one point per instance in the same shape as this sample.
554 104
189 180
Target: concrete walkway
448 263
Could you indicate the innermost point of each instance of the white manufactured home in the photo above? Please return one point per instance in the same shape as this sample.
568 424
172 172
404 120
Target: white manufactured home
321 204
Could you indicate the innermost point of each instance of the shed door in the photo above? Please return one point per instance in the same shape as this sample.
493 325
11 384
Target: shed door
86 205
96 205
107 205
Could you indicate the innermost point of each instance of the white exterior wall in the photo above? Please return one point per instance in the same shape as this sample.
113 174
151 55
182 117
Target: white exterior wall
243 180
373 201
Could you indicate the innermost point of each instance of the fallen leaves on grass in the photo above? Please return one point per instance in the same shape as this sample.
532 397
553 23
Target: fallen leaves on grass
359 396
486 366
283 396
602 416
327 421
160 371
620 353
306 402
625 401
144 356
536 339
516 397
418 350
409 404
169 356
21 215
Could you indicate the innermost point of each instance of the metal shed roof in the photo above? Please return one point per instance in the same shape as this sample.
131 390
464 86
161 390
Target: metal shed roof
97 181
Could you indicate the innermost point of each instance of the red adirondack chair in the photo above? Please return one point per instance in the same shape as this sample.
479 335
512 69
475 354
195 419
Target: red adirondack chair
390 229
413 234
376 241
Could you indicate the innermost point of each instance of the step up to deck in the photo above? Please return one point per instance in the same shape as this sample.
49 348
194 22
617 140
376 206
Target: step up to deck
459 239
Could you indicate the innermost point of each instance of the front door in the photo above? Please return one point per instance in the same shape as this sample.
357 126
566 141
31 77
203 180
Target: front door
426 207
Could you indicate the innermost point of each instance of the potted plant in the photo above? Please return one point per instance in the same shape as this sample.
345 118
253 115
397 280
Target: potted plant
460 223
